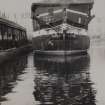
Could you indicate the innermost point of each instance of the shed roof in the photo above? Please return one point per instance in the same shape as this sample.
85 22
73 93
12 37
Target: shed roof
11 24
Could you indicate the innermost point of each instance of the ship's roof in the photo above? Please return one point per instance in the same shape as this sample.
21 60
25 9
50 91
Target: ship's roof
82 6
11 24
63 2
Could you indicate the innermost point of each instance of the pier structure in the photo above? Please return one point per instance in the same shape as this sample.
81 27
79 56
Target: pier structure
11 34
13 40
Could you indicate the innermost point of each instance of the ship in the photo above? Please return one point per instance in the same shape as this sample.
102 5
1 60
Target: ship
60 27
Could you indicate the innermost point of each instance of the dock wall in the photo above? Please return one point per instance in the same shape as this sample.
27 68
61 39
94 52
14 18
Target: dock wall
9 54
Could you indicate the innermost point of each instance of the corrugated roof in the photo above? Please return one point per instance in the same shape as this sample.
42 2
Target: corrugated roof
63 1
11 24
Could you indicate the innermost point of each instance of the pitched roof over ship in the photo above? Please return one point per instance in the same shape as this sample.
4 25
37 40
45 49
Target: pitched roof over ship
78 12
63 1
77 3
11 23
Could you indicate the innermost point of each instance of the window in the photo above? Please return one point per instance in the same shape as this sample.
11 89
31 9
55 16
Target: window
9 33
79 20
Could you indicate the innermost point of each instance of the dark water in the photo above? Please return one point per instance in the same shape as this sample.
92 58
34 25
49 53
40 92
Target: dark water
75 80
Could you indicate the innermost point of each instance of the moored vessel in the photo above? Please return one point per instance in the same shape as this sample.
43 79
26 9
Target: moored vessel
60 27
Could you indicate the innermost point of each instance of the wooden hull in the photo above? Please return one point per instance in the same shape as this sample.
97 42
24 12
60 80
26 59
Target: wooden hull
60 53
44 45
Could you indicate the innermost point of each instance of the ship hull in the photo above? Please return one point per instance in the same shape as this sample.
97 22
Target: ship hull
60 53
45 45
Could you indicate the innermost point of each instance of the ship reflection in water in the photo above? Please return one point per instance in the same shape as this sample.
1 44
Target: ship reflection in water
60 81
9 73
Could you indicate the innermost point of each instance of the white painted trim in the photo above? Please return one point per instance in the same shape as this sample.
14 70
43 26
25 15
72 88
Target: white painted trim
77 12
45 14
56 52
60 10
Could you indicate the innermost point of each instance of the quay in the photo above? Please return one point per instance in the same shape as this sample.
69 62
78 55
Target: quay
9 54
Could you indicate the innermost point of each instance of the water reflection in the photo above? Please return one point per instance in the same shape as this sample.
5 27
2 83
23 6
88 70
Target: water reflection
9 73
63 82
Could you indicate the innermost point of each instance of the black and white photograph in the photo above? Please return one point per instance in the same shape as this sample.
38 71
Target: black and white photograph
52 52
